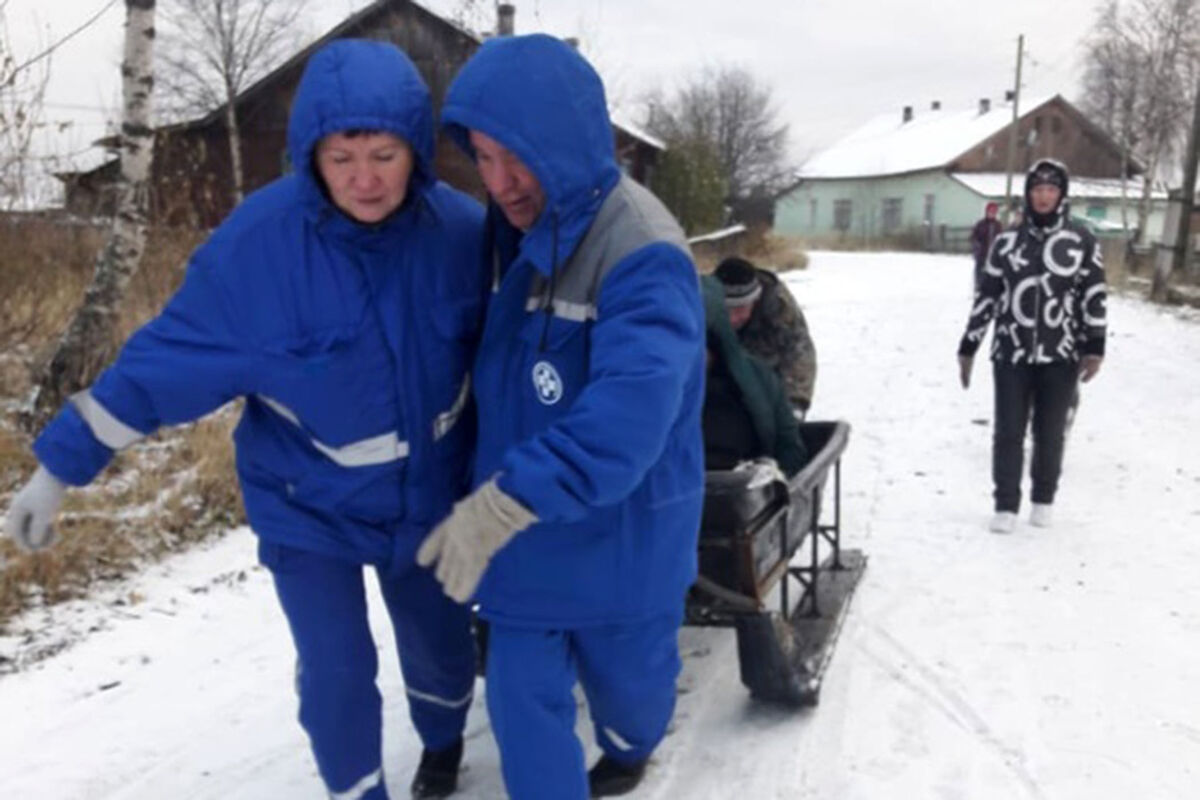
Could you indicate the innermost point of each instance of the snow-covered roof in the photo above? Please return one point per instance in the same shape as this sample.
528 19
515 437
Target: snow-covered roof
991 184
887 145
622 122
85 161
715 236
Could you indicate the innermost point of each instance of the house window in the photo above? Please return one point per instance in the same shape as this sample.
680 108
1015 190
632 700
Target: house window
929 206
812 213
1097 211
893 210
842 210
1055 124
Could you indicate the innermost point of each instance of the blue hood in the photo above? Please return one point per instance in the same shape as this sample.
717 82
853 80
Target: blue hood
540 99
356 84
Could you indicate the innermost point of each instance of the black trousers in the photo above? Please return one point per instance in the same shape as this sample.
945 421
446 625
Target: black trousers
1045 391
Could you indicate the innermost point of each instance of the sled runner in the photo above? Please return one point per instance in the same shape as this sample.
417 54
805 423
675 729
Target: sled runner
761 532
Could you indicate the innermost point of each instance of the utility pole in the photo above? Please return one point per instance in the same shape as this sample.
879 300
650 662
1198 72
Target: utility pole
1012 132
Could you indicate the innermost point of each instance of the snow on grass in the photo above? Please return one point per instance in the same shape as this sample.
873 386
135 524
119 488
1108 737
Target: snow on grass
1060 663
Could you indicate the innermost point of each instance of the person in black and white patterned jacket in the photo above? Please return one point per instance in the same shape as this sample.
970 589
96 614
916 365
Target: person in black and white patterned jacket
1043 285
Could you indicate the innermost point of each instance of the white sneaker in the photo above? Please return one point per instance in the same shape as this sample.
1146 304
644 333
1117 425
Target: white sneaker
1004 522
1041 515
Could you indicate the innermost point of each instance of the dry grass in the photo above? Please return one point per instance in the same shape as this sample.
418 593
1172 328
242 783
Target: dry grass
44 271
762 247
156 499
779 253
46 267
159 497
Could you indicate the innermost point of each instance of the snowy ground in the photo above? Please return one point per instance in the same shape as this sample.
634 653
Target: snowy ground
1047 664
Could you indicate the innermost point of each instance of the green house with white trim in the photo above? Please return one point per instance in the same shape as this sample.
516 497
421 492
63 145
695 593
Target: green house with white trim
922 179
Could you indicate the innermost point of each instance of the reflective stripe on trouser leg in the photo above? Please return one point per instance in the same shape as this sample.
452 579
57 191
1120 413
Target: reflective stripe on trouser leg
530 676
340 709
628 673
437 654
370 787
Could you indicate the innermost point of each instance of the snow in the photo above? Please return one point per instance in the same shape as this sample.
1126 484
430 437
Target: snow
93 158
716 236
1060 663
991 184
887 145
622 121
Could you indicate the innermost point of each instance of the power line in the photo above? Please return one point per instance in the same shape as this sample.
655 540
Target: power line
76 107
66 38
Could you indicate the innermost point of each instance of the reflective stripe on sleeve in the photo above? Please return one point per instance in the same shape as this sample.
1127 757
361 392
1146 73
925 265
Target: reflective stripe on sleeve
111 432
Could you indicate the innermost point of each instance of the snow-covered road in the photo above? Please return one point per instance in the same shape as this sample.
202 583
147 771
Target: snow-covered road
1061 663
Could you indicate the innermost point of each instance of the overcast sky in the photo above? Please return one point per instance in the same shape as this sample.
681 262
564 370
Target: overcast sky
832 64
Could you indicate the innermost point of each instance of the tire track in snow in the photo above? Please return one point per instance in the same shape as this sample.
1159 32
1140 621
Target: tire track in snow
953 706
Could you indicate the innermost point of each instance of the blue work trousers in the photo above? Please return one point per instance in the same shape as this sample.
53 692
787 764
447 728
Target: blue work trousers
628 675
325 603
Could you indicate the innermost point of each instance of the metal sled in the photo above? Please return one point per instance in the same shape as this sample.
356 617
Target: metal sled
752 534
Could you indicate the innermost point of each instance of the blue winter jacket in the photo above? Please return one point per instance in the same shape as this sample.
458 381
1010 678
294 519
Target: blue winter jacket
351 343
589 377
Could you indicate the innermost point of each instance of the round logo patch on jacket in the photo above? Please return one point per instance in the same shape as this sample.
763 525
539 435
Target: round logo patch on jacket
547 383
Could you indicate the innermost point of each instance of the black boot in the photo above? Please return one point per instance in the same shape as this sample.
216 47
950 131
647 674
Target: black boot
610 778
437 774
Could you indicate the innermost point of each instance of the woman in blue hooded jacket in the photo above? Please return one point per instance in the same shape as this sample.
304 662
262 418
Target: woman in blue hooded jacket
343 302
590 464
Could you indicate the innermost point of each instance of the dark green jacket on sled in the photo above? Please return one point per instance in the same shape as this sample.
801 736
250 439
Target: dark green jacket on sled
762 393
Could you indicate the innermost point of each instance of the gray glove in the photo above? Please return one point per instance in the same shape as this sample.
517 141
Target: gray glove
33 509
464 542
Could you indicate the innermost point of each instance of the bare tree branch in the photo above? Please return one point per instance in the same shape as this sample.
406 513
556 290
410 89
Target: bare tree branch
735 114
1141 60
68 37
212 50
87 343
22 100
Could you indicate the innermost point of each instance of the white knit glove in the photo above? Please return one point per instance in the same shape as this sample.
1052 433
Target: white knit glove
33 509
464 542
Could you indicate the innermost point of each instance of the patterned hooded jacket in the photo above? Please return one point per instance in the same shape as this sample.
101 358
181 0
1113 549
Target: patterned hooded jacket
1043 284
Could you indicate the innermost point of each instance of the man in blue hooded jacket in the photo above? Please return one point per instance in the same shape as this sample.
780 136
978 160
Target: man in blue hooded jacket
581 534
344 302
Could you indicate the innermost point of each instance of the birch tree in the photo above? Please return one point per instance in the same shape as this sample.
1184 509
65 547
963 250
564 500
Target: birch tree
211 50
87 344
1140 57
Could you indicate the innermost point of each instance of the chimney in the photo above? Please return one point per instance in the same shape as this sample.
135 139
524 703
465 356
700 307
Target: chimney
573 41
936 105
985 105
908 113
505 16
